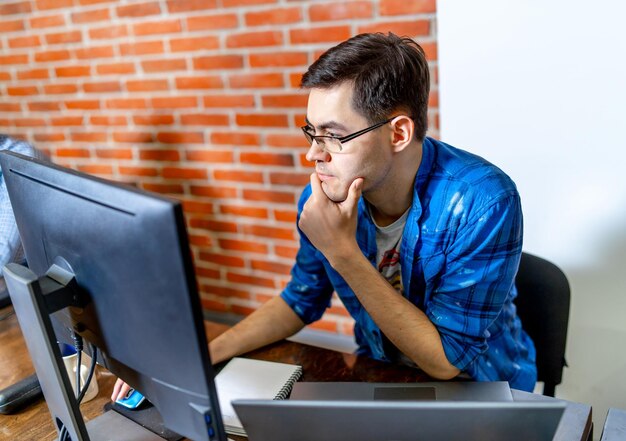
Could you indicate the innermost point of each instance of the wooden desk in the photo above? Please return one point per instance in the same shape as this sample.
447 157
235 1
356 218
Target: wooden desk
34 423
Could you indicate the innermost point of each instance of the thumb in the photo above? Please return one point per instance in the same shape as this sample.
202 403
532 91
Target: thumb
354 193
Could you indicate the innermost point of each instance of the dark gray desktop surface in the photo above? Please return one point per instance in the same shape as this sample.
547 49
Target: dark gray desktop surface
288 420
441 391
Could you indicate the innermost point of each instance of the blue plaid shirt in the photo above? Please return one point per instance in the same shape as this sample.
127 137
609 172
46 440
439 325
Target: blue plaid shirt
459 254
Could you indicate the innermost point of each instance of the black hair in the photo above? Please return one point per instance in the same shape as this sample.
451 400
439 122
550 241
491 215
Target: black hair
389 73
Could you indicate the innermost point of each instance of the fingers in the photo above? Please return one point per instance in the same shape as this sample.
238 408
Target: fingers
119 390
316 185
116 389
354 193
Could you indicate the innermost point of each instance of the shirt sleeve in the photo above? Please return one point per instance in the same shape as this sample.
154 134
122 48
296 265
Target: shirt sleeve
309 291
481 264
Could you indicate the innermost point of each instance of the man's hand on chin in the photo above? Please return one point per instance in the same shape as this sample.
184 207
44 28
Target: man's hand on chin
329 225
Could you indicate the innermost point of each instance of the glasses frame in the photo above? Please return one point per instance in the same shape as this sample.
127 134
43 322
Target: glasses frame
310 137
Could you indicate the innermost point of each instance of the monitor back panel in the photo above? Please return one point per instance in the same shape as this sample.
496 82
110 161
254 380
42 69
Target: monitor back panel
290 420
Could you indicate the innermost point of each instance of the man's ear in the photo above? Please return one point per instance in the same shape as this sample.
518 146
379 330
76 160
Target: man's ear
402 128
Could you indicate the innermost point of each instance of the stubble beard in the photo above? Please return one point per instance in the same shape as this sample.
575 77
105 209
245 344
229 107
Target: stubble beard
334 195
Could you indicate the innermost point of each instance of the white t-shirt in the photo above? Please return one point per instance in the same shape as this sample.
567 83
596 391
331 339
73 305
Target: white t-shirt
388 243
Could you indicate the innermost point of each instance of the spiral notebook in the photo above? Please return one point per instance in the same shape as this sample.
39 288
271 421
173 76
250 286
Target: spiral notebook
244 378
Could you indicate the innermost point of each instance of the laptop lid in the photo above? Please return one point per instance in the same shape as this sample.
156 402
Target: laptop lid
427 391
288 420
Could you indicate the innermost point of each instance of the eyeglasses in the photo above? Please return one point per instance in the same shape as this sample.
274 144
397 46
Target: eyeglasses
333 144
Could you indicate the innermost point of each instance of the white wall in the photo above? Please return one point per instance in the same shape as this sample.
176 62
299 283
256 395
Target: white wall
538 87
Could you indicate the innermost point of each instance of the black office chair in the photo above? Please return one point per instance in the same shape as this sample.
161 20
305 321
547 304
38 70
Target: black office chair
543 306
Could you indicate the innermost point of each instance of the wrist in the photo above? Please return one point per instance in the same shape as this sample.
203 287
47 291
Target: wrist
345 258
217 351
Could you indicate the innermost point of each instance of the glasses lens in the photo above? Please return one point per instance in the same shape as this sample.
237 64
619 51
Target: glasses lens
307 135
332 145
326 143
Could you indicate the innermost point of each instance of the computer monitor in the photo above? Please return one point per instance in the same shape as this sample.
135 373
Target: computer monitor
112 263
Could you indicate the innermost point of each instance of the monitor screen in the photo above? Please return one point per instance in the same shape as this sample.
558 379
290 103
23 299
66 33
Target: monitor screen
129 253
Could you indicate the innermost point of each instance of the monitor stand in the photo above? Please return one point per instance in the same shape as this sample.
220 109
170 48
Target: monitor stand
34 299
111 425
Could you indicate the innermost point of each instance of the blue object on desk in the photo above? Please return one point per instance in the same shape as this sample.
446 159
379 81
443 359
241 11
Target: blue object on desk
132 400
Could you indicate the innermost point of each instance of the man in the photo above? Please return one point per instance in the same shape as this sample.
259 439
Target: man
420 240
10 245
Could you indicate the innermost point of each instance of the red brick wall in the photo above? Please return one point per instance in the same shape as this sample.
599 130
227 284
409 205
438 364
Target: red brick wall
197 99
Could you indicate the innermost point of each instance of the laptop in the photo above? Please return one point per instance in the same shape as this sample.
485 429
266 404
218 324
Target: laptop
431 391
289 420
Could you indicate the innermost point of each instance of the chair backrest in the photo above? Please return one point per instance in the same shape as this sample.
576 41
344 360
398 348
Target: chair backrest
543 303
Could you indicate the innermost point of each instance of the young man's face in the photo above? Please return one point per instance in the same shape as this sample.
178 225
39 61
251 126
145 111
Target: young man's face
330 112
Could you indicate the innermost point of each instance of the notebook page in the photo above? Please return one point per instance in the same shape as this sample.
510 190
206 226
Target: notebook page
244 378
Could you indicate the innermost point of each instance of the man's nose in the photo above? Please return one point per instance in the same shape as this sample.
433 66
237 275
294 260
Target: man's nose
317 153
